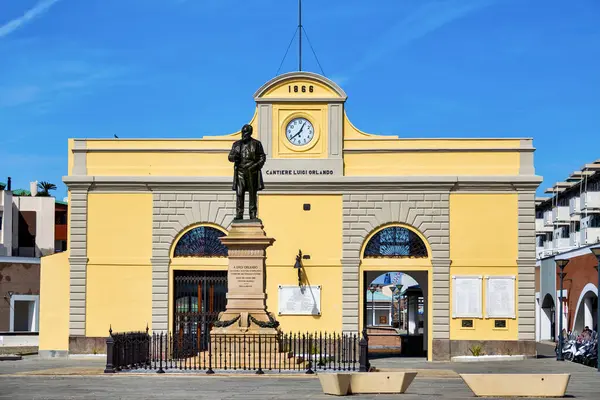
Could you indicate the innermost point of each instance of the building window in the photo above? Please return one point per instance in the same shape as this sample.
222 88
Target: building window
395 242
539 214
594 221
61 219
202 241
563 201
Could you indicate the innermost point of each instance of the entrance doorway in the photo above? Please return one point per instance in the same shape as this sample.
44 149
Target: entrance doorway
395 312
548 322
199 297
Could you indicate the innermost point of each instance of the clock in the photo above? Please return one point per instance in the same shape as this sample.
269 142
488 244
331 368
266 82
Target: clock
300 131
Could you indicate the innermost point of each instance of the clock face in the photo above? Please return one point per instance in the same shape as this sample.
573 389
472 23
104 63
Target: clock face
299 131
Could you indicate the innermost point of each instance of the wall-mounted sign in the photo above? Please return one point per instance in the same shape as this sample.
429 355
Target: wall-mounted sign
299 300
500 297
467 296
299 172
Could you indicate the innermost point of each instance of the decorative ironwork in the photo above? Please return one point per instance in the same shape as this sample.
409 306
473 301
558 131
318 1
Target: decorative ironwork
199 299
202 241
396 242
302 352
273 323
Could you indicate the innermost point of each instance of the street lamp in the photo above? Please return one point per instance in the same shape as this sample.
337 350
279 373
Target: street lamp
399 287
393 289
561 264
373 289
596 251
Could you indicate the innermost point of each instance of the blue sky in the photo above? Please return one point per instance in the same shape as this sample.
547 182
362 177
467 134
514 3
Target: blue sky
188 68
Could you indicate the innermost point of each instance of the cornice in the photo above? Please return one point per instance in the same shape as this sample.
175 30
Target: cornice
325 184
442 150
151 150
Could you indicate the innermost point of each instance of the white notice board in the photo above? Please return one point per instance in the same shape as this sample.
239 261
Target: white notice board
500 297
467 296
299 300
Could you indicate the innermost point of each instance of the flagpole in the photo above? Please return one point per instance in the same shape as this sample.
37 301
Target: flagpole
300 35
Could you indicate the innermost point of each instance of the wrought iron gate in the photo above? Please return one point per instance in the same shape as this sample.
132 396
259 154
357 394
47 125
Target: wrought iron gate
199 298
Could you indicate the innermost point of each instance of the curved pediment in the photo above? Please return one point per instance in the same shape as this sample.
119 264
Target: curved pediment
300 86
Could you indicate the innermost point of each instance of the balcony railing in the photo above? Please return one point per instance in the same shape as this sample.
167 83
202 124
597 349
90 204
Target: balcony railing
540 226
589 236
574 206
548 218
590 202
560 215
574 239
561 244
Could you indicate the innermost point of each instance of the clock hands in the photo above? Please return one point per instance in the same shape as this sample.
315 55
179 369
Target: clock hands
299 132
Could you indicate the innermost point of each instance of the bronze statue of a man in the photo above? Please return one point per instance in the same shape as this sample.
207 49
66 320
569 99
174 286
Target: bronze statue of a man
248 157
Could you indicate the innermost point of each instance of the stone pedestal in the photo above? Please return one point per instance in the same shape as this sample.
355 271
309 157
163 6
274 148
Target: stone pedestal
246 306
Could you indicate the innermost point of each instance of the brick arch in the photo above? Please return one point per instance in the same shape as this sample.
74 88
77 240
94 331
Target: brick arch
380 228
174 213
425 213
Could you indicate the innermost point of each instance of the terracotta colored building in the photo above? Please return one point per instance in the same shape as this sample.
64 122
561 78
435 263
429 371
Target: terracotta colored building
580 293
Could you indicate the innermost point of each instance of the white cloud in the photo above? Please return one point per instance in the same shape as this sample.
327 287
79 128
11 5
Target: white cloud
39 9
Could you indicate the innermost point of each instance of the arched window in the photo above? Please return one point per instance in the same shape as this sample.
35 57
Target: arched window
395 242
202 241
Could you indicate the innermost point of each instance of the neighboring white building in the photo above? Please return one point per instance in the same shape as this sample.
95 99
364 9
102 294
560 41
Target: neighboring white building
570 218
567 226
27 224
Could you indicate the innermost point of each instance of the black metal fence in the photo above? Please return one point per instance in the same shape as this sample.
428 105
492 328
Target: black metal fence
301 352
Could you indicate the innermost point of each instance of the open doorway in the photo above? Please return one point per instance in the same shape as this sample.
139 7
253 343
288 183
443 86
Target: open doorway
548 319
24 313
395 312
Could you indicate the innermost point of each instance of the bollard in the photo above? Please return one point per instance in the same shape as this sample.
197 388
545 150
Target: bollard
364 365
110 368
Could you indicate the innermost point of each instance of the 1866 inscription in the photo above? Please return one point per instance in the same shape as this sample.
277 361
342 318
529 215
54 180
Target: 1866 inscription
246 276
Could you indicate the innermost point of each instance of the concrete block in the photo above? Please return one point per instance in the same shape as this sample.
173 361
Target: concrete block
335 384
380 382
517 385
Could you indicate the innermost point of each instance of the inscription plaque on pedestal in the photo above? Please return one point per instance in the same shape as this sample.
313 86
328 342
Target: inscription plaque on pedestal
245 276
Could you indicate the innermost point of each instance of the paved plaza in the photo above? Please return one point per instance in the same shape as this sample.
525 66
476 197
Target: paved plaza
82 378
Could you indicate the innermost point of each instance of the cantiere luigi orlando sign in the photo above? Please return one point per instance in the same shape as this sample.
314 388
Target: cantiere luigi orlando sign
299 172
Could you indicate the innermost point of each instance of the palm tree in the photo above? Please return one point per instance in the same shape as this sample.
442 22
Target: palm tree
45 188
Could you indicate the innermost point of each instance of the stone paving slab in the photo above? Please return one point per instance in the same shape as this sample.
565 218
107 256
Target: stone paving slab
100 387
33 378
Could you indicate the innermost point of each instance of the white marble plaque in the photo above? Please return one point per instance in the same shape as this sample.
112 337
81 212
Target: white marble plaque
467 296
500 297
296 300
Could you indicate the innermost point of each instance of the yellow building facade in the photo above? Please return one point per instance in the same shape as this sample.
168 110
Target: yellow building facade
468 202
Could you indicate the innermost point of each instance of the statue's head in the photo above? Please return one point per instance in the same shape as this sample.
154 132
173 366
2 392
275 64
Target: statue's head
246 131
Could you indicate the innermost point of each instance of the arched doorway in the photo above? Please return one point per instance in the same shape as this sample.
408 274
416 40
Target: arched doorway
198 277
548 319
586 313
396 272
